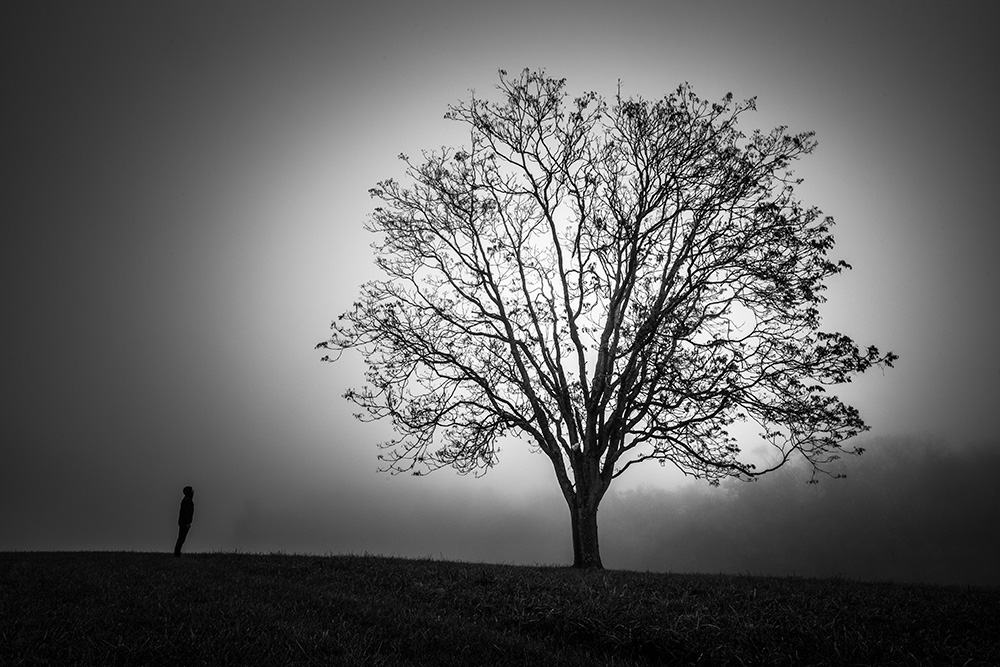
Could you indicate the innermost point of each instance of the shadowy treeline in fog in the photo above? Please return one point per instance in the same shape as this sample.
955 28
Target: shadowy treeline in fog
909 510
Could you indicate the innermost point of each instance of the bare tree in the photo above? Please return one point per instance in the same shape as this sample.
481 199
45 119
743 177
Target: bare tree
615 283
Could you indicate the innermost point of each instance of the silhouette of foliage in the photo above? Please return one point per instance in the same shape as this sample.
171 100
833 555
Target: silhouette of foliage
615 282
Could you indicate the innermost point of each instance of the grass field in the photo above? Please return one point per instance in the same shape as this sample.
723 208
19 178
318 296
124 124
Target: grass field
113 608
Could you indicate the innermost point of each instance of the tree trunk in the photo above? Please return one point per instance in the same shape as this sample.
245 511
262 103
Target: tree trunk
586 548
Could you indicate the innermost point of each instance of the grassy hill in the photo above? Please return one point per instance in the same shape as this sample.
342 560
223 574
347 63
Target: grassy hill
113 608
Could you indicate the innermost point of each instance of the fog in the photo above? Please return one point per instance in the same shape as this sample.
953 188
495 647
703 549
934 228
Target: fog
909 510
921 510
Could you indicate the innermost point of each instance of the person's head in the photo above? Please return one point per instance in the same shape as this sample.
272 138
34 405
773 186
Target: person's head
189 492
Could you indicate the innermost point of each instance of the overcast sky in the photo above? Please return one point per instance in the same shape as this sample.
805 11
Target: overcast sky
184 189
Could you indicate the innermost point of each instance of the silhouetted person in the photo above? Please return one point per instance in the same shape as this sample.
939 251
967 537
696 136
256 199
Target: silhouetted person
185 518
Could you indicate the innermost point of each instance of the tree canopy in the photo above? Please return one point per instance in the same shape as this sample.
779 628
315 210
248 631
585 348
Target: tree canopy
613 282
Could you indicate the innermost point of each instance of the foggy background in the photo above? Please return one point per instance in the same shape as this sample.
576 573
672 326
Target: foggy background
184 189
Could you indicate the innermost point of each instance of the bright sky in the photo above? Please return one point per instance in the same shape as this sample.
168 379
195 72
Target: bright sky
185 186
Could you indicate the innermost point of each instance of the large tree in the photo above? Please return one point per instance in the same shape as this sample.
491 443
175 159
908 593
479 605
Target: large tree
615 283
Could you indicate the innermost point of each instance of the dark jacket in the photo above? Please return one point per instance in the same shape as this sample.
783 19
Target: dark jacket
187 512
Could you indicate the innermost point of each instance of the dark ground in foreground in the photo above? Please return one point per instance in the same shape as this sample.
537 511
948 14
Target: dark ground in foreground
113 608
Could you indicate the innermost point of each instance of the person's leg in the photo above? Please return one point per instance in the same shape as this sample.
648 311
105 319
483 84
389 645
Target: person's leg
181 535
